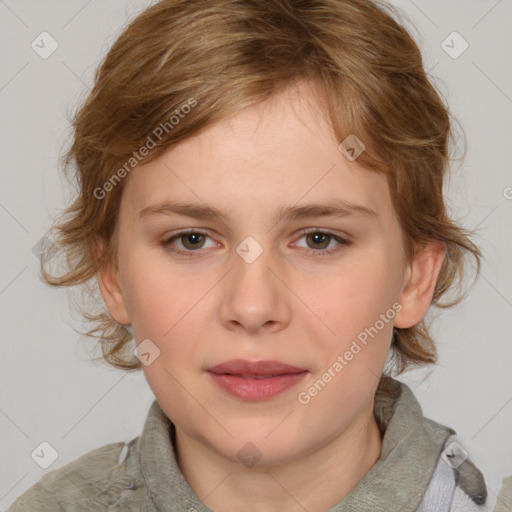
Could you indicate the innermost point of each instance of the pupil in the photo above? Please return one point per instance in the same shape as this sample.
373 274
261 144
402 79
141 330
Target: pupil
193 239
318 238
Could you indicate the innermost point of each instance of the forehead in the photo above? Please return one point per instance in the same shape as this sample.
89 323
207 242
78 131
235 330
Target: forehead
274 153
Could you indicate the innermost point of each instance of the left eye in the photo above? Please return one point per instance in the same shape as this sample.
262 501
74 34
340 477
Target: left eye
323 239
193 240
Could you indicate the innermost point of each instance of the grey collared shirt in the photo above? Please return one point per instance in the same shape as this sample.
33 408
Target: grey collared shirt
143 475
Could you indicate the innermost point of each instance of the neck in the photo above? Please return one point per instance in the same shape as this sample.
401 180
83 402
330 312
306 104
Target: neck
314 481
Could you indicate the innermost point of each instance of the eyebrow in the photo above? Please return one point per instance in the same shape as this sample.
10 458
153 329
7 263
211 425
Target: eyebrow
338 208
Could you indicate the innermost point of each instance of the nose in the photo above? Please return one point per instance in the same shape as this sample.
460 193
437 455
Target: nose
254 296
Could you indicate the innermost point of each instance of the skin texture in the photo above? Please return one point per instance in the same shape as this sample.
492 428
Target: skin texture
294 303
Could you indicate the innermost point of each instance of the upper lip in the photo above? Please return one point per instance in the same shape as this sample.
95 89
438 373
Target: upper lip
245 367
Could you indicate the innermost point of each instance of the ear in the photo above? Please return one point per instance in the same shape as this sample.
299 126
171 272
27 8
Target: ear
108 281
419 284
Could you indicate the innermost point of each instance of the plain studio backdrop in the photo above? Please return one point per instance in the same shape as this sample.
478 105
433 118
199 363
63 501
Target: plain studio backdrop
51 393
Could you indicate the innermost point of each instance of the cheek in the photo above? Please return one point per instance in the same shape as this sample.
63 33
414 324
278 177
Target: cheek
157 295
360 292
358 308
168 308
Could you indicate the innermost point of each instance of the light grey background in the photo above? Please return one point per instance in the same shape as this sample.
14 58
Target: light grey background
50 392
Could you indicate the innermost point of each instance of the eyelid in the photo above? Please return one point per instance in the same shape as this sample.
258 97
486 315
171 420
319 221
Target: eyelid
327 231
301 232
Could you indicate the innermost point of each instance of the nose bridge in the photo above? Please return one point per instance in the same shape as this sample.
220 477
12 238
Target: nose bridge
252 260
253 295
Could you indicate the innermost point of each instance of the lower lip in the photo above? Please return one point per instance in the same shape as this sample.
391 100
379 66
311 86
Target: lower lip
256 389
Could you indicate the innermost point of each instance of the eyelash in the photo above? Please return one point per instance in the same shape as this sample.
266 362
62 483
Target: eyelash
314 252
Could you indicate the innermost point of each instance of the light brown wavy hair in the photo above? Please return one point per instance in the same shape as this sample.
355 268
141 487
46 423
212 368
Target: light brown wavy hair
226 55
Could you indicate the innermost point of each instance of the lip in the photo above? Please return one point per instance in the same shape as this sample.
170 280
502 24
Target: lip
255 380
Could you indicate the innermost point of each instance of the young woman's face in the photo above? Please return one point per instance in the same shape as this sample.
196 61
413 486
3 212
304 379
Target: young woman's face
271 279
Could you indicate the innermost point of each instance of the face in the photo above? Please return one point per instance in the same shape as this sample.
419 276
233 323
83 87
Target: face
304 288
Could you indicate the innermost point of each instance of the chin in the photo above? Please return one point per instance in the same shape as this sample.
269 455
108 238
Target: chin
263 450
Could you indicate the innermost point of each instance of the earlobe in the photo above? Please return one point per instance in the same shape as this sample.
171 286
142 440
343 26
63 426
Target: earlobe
419 284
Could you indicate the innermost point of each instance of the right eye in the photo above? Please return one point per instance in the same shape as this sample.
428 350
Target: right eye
191 240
